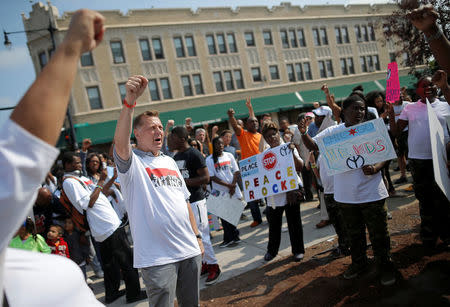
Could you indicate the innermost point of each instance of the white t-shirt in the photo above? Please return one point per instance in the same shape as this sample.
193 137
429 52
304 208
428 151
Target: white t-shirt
24 162
297 139
398 110
279 200
156 200
327 180
102 218
353 187
224 169
419 143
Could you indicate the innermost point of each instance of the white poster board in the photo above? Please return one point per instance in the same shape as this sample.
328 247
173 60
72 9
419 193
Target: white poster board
438 151
229 209
353 147
269 173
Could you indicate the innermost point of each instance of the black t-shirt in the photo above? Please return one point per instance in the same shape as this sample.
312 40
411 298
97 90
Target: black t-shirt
189 162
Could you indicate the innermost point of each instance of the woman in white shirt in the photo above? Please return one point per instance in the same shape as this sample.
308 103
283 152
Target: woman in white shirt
361 195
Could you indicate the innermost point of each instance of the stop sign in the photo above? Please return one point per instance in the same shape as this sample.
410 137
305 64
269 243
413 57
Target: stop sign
269 160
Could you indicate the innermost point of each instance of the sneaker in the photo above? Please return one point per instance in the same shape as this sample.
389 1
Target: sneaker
354 270
401 180
389 216
254 224
387 277
99 274
236 241
323 223
410 188
142 296
225 244
243 217
214 273
204 269
268 257
89 281
299 257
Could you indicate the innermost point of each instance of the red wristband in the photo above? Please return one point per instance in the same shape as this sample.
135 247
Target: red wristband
127 105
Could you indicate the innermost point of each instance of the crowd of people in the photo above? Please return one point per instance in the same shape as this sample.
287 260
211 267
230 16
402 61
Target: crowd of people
158 187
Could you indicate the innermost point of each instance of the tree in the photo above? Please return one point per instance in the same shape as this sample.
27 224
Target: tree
408 39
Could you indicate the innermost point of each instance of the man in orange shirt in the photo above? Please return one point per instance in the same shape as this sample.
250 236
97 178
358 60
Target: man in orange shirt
249 141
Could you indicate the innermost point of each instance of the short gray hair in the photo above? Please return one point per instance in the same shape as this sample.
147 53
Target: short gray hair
199 130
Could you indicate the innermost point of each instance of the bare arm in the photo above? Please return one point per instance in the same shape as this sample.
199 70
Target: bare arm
203 178
424 19
396 127
194 228
135 86
331 103
237 129
97 191
248 103
373 169
42 109
306 138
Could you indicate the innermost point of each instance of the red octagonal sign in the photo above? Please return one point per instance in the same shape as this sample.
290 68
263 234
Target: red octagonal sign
269 160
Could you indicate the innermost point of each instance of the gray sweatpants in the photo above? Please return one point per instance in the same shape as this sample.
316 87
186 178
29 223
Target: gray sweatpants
162 282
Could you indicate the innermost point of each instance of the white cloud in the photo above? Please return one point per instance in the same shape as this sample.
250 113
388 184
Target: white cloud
17 57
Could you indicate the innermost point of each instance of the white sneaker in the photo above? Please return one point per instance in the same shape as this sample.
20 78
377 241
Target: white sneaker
298 257
89 281
99 274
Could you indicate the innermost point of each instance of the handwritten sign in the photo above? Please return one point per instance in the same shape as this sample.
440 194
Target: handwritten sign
229 209
438 151
392 83
349 148
269 173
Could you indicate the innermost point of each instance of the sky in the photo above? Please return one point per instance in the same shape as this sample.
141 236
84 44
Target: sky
16 68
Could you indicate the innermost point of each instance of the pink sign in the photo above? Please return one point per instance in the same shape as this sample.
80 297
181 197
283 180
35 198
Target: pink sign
392 83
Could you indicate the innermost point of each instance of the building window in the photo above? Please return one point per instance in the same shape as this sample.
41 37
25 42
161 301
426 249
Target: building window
190 45
284 39
345 36
369 62
299 72
218 81
292 38
238 79
358 33
316 38
301 38
323 36
274 75
211 44
362 61
256 74
337 32
392 56
122 91
307 70
329 65
145 49
249 39
371 32
117 52
165 87
290 72
187 87
179 48
158 48
364 33
198 86
94 97
154 92
322 70
42 59
86 59
231 43
351 68
376 62
267 35
221 43
228 80
344 69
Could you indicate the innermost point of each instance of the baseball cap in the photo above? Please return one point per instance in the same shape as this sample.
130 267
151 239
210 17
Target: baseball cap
309 114
322 111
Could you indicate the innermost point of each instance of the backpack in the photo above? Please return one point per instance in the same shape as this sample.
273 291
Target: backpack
79 219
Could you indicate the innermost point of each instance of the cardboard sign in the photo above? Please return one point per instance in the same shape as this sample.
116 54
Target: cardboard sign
229 209
438 151
353 147
392 83
269 173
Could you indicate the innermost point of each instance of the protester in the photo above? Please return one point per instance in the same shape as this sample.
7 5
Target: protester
283 202
47 211
200 135
434 205
401 141
26 155
78 245
224 174
167 243
56 241
226 136
249 141
361 195
27 239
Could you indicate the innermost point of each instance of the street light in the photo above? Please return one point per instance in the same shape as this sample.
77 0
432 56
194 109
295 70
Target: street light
51 30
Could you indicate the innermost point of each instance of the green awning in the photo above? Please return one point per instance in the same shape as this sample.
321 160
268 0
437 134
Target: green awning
103 132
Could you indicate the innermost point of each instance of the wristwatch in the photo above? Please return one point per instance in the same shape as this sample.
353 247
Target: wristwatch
199 236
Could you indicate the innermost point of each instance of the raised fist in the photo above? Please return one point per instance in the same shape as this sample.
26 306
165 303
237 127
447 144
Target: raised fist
135 86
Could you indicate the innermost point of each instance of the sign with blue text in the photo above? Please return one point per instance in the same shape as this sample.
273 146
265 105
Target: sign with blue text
348 148
269 173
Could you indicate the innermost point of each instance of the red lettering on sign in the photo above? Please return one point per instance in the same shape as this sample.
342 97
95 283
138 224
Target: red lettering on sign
283 185
251 195
278 175
256 182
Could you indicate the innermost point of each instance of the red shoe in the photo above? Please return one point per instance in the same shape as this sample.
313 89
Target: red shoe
323 223
254 224
204 269
214 273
